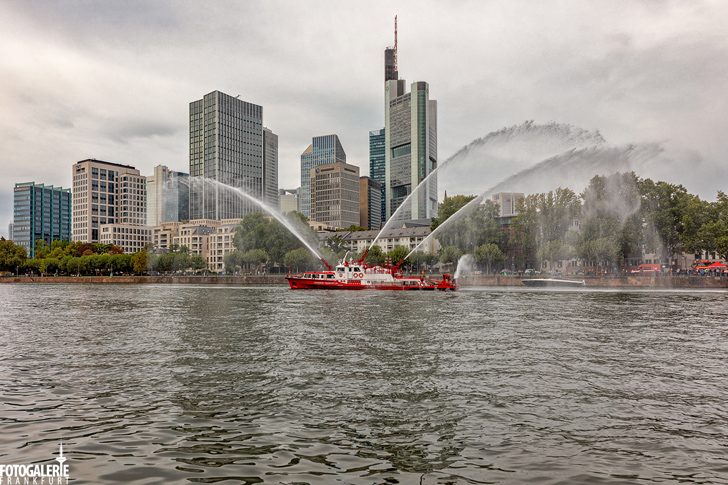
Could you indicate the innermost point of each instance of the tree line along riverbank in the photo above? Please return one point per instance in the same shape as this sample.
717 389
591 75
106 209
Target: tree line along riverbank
661 282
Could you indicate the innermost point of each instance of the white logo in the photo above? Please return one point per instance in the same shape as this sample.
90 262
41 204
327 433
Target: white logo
36 474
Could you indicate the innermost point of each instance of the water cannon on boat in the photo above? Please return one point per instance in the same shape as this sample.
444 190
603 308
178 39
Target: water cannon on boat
361 260
327 264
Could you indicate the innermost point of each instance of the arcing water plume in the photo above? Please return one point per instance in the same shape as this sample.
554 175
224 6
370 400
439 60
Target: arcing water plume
572 169
465 263
197 183
494 156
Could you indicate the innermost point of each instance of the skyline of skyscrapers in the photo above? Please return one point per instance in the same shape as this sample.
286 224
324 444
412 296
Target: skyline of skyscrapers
323 150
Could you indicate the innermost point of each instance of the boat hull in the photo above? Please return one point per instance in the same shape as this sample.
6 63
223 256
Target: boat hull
298 283
549 282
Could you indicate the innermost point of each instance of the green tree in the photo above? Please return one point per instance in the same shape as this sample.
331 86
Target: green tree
99 248
104 262
473 228
52 265
353 228
93 263
542 223
255 257
76 265
299 259
140 262
397 254
197 262
375 256
42 250
450 255
489 254
180 261
449 206
259 232
122 263
63 267
337 244
330 256
662 208
431 260
233 261
12 256
553 251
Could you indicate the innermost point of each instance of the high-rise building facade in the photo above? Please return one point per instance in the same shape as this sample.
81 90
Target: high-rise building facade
226 150
289 200
410 149
168 196
106 193
335 194
323 150
270 168
40 212
377 161
370 203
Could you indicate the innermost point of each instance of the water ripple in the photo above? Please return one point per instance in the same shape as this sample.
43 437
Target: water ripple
172 384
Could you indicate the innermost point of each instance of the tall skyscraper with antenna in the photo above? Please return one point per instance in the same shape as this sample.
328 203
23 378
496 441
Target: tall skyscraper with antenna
410 141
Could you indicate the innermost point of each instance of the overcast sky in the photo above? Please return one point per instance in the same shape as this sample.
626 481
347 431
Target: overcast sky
113 80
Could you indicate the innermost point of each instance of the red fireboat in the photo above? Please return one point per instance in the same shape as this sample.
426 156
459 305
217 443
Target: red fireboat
358 275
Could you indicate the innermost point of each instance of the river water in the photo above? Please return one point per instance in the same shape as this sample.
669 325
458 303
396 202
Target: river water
158 384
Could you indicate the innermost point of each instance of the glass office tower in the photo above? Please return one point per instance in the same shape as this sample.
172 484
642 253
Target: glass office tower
226 146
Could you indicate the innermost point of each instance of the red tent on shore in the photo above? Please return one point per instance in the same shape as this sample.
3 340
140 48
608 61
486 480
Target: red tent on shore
717 264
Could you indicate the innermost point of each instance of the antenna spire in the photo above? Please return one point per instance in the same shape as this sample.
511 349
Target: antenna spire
395 43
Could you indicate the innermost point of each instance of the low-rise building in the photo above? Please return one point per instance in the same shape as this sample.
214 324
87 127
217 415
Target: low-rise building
132 238
507 202
163 235
289 200
208 238
409 237
221 243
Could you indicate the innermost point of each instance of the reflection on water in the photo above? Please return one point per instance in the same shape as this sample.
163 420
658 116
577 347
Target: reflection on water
165 384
